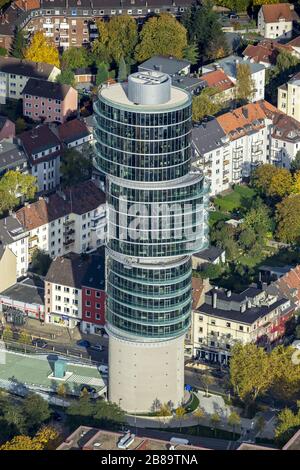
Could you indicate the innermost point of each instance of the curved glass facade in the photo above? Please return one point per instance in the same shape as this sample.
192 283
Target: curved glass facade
156 213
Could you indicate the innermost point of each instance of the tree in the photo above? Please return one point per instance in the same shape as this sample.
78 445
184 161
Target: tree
234 420
286 374
66 77
207 380
13 416
22 443
295 163
205 30
20 125
205 105
100 46
122 70
244 87
215 419
210 271
98 413
75 58
164 410
161 35
258 221
199 414
75 167
287 424
250 372
247 238
180 415
36 411
288 219
47 437
40 262
3 52
272 181
61 390
7 334
42 50
24 337
15 187
191 53
19 44
260 423
102 73
123 37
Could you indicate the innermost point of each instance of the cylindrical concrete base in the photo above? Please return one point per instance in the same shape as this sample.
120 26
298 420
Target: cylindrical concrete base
144 375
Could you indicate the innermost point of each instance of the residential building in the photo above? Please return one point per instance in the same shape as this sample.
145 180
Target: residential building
15 237
26 296
288 99
229 65
294 45
69 220
87 438
74 133
43 151
149 271
93 296
7 128
74 24
15 73
221 83
12 157
65 298
225 318
8 265
267 51
275 21
211 255
284 142
49 102
169 65
85 75
287 285
228 147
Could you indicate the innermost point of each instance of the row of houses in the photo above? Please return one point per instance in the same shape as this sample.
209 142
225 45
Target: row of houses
259 314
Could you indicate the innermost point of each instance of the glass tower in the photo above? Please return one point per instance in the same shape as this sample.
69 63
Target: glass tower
156 220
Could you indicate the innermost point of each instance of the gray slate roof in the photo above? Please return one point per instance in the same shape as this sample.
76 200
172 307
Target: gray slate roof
228 64
169 65
207 136
11 155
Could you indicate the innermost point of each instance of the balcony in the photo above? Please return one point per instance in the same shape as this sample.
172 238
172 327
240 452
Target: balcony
34 238
68 222
226 162
69 232
68 242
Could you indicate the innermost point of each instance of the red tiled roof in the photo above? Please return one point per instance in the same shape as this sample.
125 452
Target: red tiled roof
294 42
274 12
27 4
78 199
265 51
71 130
197 290
218 79
289 284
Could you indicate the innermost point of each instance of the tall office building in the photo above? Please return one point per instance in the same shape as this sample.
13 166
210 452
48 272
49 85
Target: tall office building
156 220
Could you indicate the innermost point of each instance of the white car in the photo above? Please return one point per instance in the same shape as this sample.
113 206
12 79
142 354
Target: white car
103 369
97 347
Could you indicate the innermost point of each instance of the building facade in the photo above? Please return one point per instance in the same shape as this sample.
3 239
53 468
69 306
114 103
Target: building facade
288 98
146 125
276 21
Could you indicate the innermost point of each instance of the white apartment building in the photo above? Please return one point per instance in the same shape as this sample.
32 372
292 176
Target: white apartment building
284 141
15 237
43 151
229 147
288 98
230 67
275 21
225 318
73 220
15 73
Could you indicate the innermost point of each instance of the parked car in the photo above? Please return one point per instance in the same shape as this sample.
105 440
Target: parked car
88 389
97 347
233 16
103 369
39 343
83 343
56 416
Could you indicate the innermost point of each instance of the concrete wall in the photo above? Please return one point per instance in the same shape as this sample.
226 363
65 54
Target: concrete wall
140 373
8 269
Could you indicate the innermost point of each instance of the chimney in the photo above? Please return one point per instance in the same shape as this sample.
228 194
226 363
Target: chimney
243 308
228 293
214 299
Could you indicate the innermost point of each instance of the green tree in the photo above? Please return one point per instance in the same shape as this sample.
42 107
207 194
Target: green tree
14 188
260 423
24 337
75 58
66 77
36 411
13 416
7 334
199 414
205 104
205 30
295 164
210 271
244 87
19 44
180 415
215 420
98 413
287 424
3 52
75 167
247 238
250 372
258 221
288 219
40 262
191 53
102 73
286 374
100 46
161 35
123 37
272 181
42 50
122 70
207 380
20 125
164 410
234 420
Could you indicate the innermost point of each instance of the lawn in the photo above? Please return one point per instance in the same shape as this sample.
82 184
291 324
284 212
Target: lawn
217 216
236 199
192 404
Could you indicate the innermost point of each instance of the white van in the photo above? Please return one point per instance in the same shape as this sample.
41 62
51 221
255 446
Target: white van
178 441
